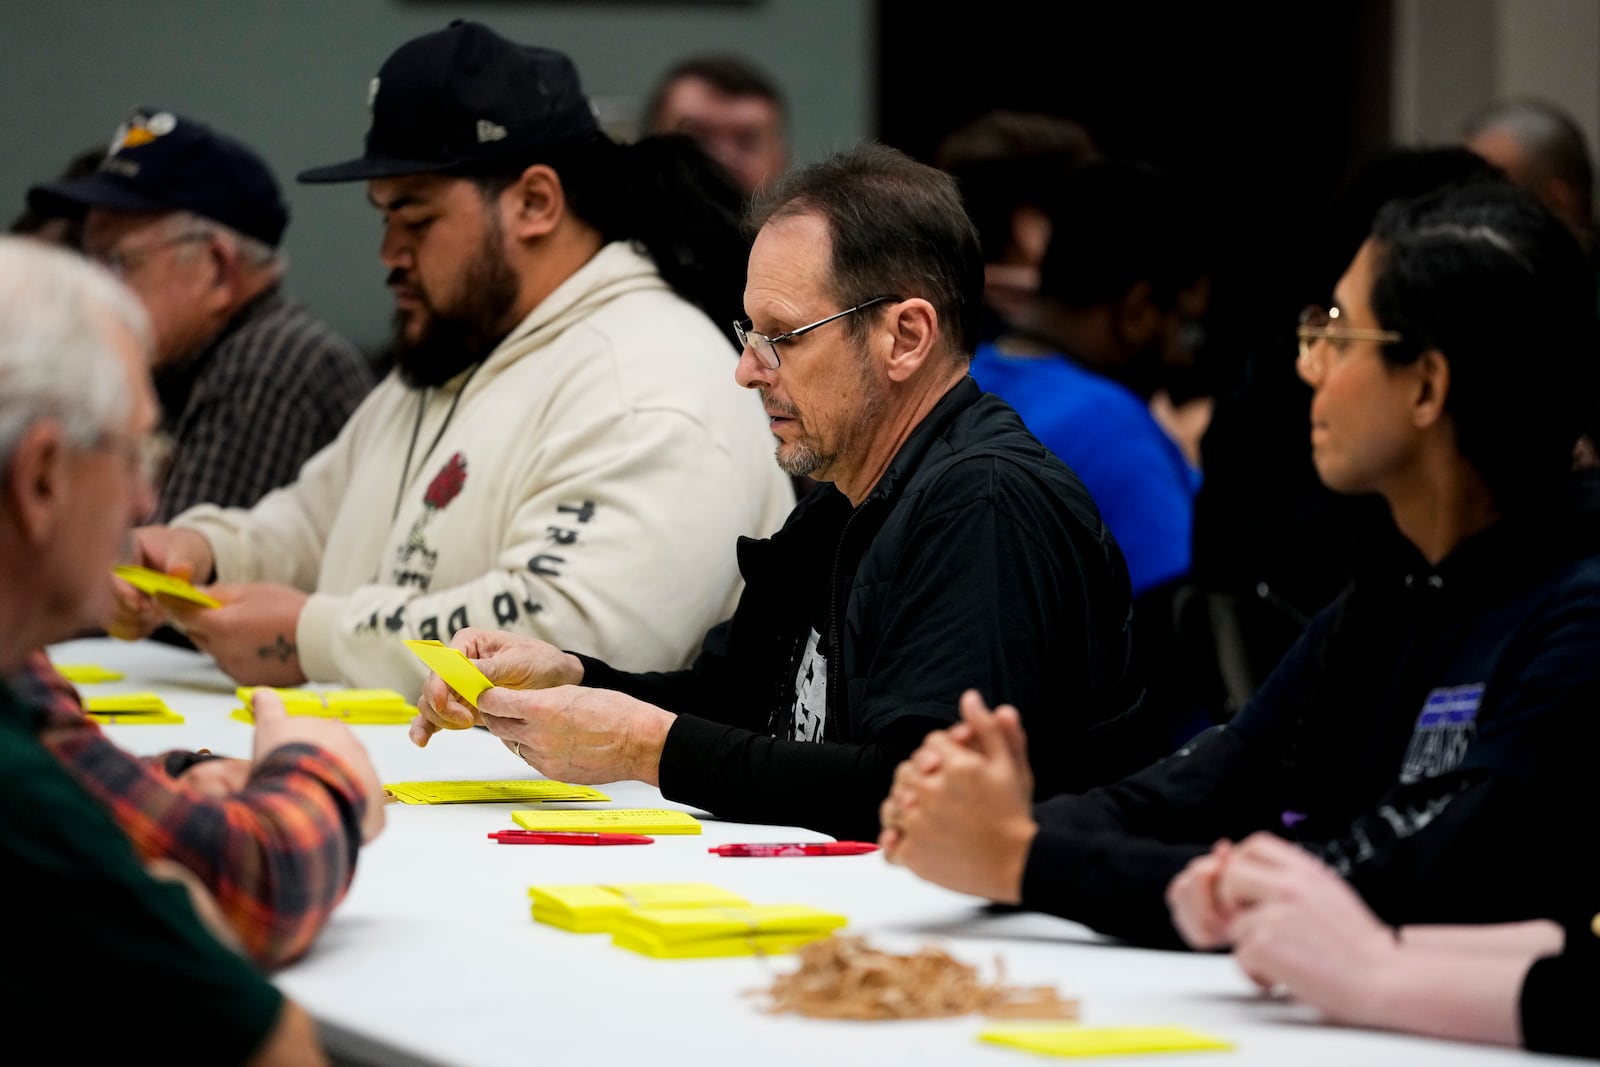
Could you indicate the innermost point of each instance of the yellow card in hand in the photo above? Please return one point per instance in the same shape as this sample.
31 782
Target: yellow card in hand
1102 1040
157 584
458 672
607 820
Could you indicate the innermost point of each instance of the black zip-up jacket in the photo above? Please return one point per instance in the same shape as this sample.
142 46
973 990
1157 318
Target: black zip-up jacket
978 560
1431 736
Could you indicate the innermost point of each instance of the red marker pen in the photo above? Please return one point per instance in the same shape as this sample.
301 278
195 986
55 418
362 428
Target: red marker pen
797 848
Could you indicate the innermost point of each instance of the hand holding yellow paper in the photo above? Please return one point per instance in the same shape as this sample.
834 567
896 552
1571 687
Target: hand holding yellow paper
158 584
458 672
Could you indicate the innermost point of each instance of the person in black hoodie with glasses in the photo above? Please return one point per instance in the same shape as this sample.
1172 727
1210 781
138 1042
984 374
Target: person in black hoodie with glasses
1432 730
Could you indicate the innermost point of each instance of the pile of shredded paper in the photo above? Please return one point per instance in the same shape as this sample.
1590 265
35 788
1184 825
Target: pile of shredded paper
845 978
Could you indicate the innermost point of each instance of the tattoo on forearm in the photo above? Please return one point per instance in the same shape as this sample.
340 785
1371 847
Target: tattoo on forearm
282 650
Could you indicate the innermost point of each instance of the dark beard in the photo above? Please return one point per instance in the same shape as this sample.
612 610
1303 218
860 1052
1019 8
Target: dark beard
451 342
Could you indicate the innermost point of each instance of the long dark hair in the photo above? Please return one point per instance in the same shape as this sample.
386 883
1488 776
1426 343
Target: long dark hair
665 194
1489 277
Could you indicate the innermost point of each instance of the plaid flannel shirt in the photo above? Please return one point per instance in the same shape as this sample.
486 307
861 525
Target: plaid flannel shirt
243 414
277 856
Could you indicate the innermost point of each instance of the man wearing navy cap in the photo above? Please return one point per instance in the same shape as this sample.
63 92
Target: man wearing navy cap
251 384
561 450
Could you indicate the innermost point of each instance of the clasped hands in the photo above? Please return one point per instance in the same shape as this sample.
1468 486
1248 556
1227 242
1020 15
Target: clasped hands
959 813
538 709
1294 925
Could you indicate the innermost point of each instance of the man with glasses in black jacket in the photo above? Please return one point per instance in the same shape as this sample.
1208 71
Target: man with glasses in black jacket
949 549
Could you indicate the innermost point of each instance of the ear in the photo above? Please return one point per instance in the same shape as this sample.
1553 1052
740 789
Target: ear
913 328
36 480
534 204
222 255
1433 386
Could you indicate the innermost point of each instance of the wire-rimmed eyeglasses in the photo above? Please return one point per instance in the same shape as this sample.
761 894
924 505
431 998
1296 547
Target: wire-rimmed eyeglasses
766 348
1322 324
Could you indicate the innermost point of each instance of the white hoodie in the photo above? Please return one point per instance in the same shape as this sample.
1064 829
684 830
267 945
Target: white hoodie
585 485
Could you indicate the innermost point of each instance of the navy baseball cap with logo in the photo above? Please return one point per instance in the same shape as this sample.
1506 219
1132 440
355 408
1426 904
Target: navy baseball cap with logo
465 96
160 161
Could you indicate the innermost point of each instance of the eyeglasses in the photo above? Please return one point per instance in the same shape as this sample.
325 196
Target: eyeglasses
766 348
145 456
1321 324
120 261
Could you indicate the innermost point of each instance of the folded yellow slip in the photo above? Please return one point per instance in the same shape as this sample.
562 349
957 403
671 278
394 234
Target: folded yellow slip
700 933
131 709
154 582
587 909
458 672
538 790
87 673
618 820
1102 1040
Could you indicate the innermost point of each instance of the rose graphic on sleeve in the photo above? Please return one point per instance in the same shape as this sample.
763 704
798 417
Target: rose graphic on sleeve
445 487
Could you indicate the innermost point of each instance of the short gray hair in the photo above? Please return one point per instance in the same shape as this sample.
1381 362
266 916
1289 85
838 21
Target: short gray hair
58 317
253 253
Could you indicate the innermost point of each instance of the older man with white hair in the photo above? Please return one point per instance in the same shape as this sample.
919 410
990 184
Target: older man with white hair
76 407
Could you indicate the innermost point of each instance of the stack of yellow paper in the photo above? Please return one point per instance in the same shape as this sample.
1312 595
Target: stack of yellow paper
702 933
588 909
87 673
610 820
1102 1040
536 790
131 709
361 706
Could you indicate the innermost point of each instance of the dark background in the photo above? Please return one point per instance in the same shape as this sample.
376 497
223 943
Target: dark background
1264 134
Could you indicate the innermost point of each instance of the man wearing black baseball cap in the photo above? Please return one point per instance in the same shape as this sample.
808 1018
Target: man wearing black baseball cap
251 384
560 451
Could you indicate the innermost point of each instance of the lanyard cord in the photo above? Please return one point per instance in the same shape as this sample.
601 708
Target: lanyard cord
416 431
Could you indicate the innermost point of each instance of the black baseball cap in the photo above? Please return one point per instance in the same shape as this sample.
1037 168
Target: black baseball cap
461 96
161 161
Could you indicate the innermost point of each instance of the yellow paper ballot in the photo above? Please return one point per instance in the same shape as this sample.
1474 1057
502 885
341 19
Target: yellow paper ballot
360 706
87 673
131 709
157 584
353 716
615 820
586 909
704 933
458 672
1102 1040
536 790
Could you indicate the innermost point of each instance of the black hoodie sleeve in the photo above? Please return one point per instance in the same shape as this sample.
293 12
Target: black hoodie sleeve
743 775
1105 857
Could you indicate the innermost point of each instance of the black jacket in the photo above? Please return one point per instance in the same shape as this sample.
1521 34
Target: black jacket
1431 736
978 560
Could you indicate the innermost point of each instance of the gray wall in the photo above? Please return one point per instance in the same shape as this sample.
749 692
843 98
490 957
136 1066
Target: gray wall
289 77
